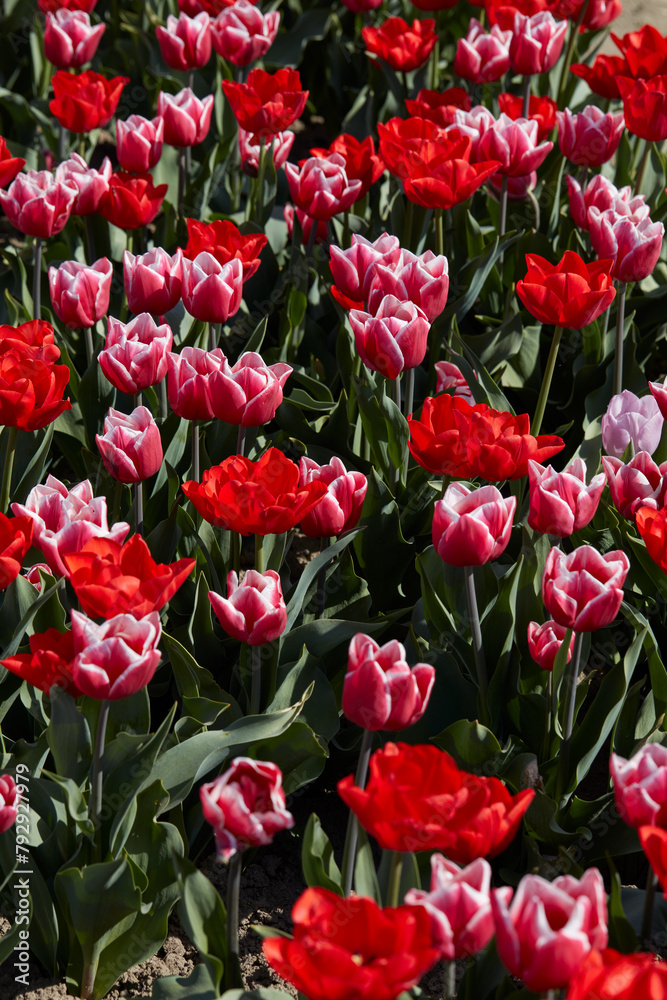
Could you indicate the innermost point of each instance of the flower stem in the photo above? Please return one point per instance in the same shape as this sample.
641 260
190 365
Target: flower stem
5 488
647 917
641 170
259 553
439 235
255 680
352 834
546 382
195 450
117 495
233 968
88 980
407 224
620 323
449 985
181 183
95 803
567 62
63 140
139 507
570 701
240 440
90 238
395 872
408 403
259 188
37 279
88 338
526 96
549 721
478 649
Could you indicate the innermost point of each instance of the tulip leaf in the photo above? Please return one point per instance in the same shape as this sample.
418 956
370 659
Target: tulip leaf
288 47
310 573
480 267
471 744
365 876
317 858
201 911
197 986
69 736
384 425
51 586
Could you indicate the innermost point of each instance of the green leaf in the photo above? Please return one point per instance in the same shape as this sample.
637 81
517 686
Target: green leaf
384 425
197 986
202 913
69 736
311 572
471 745
317 858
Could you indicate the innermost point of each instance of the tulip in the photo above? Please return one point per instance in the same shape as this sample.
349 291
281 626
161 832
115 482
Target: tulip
69 38
211 291
380 690
266 103
546 933
15 540
443 175
602 76
37 203
472 527
651 526
561 502
91 185
9 801
254 610
570 293
339 509
64 520
654 844
545 641
132 200
402 141
131 448
644 51
630 419
48 663
80 294
422 280
599 193
249 392
592 16
514 143
84 101
482 56
645 106
438 106
404 47
353 269
242 34
117 658
10 165
361 161
189 385
633 243
245 806
459 905
186 118
33 575
185 44
624 977
135 354
52 5
659 391
281 143
152 280
537 42
640 786
392 340
31 392
540 109
640 483
307 224
34 339
361 6
583 590
591 137
450 376
473 123
139 143
225 241
321 187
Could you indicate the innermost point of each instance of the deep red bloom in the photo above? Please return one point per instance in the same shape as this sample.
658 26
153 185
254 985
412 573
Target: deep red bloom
262 498
454 438
267 103
417 799
350 948
502 12
361 161
540 109
53 5
111 579
645 51
570 293
623 977
602 76
15 540
439 107
132 200
224 241
654 844
31 392
47 663
645 106
652 526
404 47
34 339
84 101
9 165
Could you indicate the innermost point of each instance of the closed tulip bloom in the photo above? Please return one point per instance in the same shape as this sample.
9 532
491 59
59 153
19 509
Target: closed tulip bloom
591 137
185 43
64 520
514 143
139 143
361 6
135 354
640 786
422 280
53 5
131 447
37 203
623 977
249 392
79 293
9 800
321 187
392 340
645 106
482 56
546 933
459 905
537 42
353 269
599 193
32 575
631 419
545 641
561 502
189 383
254 610
474 124
152 280
186 118
404 47
91 185
361 161
211 291
84 101
652 526
583 590
15 540
266 103
570 293
472 527
10 165
70 40
245 806
640 483
339 509
594 15
242 34
132 200
380 690
116 658
249 151
634 245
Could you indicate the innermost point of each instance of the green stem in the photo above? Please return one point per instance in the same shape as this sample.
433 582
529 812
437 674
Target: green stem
181 183
212 336
352 835
233 967
641 170
90 351
408 403
195 450
259 190
5 488
255 679
549 721
567 62
63 139
477 647
139 507
620 323
395 872
240 440
95 802
259 553
450 980
570 702
439 236
37 278
526 97
88 980
645 941
117 496
546 382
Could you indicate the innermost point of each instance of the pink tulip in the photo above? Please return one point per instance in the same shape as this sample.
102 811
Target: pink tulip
186 118
37 203
583 590
117 658
69 38
153 280
281 144
245 806
339 509
80 294
361 6
306 223
254 610
212 291
537 42
459 905
640 483
450 376
630 239
353 269
64 520
517 187
185 43
591 137
380 690
482 56
130 447
561 502
189 384
659 391
423 280
135 354
514 143
549 929
545 641
249 392
474 124
9 800
599 193
242 34
640 786
139 143
392 340
631 419
321 187
91 185
472 527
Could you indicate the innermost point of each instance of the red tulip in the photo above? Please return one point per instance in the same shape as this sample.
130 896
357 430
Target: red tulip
439 106
130 447
658 391
583 590
402 141
268 102
482 56
640 786
249 392
624 977
185 43
540 109
186 118
545 641
132 200
70 40
472 527
570 293
644 51
561 502
37 203
135 354
9 801
139 143
361 161
645 106
404 47
35 339
211 291
91 185
84 101
443 175
31 392
652 526
117 658
654 844
10 165
15 540
79 293
53 5
242 34
380 690
225 241
47 663
394 339
602 76
153 281
339 509
254 610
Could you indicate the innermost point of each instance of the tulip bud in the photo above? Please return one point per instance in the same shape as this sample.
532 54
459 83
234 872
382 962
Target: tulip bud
544 642
392 340
131 448
139 143
380 690
211 291
450 376
591 137
153 280
321 187
482 56
242 34
69 38
189 385
472 527
561 502
281 144
254 610
186 118
80 294
91 185
185 43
